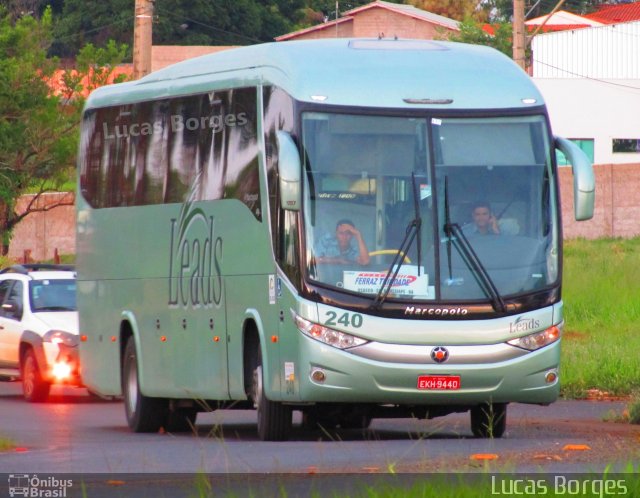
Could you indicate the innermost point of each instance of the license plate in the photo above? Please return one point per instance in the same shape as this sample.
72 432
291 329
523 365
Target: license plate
439 382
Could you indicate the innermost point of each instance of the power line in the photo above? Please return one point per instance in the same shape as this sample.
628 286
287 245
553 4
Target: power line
184 18
597 80
128 19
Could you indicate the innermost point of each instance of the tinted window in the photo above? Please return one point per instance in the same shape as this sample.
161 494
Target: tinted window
200 147
53 295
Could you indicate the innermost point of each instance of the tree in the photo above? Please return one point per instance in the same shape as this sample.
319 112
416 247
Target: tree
92 21
39 113
453 9
176 22
473 32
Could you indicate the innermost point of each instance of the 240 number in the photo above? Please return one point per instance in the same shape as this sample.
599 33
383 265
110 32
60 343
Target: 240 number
346 319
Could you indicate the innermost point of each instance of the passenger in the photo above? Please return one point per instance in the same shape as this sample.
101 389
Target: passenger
345 247
484 221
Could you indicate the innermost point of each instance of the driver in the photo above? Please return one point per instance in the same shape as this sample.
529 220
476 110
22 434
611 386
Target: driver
345 247
484 221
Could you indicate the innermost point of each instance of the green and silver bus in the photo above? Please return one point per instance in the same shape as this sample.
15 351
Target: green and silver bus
209 196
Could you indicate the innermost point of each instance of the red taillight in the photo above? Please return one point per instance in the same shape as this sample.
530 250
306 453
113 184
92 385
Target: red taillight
61 371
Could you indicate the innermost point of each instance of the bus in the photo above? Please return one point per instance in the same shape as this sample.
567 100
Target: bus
210 190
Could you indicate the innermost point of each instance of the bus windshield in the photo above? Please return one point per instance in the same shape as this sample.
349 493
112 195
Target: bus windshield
429 208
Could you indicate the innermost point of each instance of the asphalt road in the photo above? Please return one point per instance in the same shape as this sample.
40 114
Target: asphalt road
76 434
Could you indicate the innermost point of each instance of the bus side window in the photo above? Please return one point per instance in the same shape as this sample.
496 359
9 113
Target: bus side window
288 245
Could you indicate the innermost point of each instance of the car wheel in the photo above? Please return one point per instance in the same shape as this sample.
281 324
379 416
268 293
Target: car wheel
144 414
34 387
489 420
274 419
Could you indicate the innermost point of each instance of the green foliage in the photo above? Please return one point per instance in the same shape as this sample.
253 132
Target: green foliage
602 311
473 32
39 112
190 22
6 444
92 21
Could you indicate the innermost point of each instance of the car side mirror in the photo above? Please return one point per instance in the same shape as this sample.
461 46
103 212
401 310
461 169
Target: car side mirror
12 310
290 171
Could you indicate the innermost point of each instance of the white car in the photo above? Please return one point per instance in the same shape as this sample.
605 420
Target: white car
39 327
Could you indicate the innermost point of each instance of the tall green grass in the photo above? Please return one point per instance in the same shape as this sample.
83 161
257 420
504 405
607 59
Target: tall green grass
601 293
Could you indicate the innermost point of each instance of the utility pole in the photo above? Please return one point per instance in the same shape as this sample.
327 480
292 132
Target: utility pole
142 31
519 36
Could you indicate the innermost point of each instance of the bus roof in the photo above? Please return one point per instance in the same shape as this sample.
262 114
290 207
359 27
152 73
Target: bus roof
347 71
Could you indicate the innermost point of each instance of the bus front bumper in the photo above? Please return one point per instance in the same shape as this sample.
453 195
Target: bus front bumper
328 374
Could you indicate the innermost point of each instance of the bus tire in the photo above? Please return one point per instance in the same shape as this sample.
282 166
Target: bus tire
489 420
144 414
274 419
34 388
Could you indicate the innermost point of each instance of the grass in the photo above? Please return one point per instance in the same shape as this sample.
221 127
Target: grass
634 409
601 293
478 485
66 186
6 444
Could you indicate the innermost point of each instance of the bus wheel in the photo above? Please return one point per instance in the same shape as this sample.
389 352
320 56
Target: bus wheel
274 419
34 387
143 414
489 420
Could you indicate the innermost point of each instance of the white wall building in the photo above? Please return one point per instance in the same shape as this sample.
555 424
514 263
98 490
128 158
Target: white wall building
590 79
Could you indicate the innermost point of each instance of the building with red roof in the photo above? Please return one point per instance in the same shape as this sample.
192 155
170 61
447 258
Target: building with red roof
380 19
618 13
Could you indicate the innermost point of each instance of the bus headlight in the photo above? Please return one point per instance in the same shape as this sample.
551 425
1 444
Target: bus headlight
332 337
538 340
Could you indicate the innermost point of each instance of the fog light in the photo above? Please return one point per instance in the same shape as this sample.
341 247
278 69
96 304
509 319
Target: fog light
61 371
318 375
551 376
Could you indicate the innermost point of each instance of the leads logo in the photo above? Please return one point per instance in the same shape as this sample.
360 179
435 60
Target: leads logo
523 324
195 276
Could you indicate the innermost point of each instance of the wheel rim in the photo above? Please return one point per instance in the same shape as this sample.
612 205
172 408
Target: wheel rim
257 387
132 386
29 376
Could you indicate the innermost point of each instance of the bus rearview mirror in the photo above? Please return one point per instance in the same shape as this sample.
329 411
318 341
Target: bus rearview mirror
584 181
289 171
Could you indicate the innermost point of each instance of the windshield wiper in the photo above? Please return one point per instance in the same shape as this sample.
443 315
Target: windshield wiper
456 236
413 231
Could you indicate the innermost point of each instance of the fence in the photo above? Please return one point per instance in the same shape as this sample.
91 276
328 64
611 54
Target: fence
44 235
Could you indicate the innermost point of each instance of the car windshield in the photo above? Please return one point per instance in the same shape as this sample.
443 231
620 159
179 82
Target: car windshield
396 206
53 295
